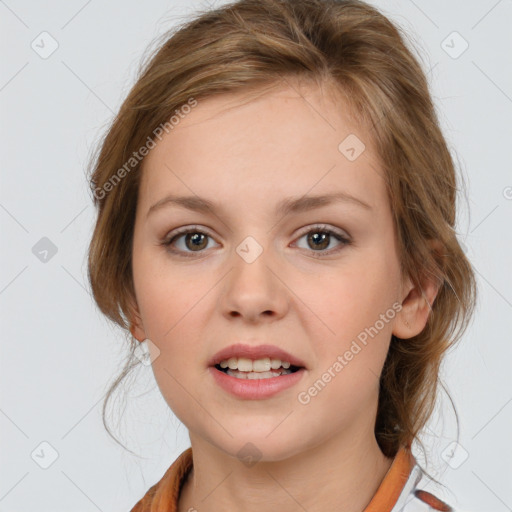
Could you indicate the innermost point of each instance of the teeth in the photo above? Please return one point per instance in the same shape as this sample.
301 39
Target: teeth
264 365
260 365
257 375
275 363
244 364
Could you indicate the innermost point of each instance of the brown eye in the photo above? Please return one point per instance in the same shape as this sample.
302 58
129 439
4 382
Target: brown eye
187 241
196 241
318 239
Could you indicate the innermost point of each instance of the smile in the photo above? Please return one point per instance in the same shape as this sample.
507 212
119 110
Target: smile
264 368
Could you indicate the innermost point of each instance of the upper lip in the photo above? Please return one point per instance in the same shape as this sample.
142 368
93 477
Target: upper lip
255 352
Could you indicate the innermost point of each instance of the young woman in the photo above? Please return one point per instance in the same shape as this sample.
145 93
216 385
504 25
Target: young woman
276 220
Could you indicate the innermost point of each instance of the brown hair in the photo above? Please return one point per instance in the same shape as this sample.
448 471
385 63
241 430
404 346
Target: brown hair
249 44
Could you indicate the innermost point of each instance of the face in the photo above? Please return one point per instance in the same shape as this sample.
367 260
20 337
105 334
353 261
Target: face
319 279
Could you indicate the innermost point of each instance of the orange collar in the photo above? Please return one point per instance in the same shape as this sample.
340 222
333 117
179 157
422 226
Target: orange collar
393 483
164 495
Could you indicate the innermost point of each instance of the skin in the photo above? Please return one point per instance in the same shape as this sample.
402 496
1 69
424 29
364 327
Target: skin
247 155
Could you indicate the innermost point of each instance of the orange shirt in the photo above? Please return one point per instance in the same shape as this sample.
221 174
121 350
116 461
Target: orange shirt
397 492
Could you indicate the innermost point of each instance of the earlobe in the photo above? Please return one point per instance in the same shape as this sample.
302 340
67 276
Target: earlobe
402 327
136 327
137 332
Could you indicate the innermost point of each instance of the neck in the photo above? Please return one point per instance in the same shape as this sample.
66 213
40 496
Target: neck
341 473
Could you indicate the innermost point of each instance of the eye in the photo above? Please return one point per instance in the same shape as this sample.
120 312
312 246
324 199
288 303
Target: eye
186 241
320 237
192 240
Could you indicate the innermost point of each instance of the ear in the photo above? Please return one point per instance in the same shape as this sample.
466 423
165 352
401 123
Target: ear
417 301
136 326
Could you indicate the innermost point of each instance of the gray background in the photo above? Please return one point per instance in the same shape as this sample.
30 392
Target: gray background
59 354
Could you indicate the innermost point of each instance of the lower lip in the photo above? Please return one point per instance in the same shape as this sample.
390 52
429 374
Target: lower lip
255 389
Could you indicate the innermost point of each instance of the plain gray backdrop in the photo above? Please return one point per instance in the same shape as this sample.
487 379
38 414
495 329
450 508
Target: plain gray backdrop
65 70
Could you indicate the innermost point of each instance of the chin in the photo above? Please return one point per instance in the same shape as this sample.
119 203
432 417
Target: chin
259 449
261 443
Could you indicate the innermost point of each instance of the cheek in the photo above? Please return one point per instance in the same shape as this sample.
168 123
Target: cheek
167 294
357 308
354 298
171 302
172 309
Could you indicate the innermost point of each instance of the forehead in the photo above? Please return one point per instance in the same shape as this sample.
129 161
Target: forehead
283 140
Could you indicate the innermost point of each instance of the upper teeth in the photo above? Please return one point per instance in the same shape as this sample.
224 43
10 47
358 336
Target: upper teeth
244 364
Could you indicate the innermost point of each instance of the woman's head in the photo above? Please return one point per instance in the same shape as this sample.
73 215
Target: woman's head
252 104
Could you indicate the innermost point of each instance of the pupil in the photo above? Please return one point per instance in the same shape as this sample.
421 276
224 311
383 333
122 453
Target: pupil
196 240
324 237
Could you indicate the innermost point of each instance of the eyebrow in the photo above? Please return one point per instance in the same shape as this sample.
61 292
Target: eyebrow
284 207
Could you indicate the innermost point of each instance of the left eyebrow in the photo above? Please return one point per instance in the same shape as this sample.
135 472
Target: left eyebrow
284 207
305 203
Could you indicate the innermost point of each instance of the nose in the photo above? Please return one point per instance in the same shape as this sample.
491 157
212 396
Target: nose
254 291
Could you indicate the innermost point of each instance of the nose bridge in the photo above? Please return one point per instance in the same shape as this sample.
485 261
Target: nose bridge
253 287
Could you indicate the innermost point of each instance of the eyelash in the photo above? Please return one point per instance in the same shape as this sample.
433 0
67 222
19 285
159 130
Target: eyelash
321 228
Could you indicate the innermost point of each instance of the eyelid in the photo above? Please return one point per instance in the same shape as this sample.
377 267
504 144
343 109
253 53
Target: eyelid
187 229
324 227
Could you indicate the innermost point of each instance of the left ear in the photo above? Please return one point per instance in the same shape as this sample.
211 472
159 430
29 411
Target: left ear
417 301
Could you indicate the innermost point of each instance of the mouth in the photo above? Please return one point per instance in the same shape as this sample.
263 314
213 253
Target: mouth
257 383
263 368
251 372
